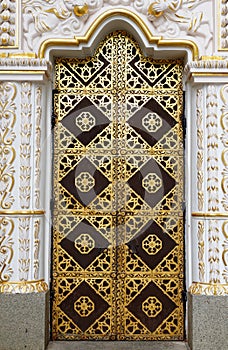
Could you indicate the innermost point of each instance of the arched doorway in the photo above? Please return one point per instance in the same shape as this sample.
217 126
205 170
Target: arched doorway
118 193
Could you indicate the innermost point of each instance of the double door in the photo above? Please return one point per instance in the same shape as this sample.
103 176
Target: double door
118 183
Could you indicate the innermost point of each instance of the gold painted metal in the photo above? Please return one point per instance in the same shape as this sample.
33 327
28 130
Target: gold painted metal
210 215
159 41
105 263
21 212
36 286
200 288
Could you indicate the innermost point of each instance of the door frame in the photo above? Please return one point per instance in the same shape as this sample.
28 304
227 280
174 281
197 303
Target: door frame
158 48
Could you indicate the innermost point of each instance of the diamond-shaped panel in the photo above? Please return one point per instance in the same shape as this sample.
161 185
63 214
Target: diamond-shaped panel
85 185
84 239
151 133
97 308
140 244
138 306
97 125
151 187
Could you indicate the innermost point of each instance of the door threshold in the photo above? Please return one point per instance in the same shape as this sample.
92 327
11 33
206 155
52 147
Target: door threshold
118 345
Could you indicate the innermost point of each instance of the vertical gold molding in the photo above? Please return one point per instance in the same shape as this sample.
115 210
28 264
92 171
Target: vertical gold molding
212 148
8 109
200 143
24 248
6 248
38 95
201 250
25 146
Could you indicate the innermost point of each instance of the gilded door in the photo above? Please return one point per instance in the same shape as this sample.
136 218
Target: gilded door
118 183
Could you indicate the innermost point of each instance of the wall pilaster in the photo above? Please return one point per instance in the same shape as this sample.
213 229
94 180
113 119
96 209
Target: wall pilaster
23 203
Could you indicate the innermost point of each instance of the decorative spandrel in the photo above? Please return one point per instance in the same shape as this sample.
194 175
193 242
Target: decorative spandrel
118 193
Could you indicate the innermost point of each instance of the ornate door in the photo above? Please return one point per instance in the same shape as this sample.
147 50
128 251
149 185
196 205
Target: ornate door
118 183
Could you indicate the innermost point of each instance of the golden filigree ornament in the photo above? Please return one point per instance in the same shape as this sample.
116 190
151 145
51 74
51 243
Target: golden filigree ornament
84 182
153 12
152 307
152 183
81 10
152 244
85 121
84 243
84 306
152 122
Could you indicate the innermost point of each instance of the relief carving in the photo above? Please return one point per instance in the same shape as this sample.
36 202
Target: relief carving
66 18
171 17
212 147
25 147
59 17
8 23
6 248
8 93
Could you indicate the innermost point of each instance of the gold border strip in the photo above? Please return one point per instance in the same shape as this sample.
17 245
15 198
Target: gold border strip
22 282
210 215
212 74
159 41
22 212
27 72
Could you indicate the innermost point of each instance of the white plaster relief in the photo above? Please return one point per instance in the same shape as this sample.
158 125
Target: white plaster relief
24 248
8 23
212 148
8 109
214 251
224 139
200 145
201 250
170 19
38 93
36 249
224 24
6 248
25 146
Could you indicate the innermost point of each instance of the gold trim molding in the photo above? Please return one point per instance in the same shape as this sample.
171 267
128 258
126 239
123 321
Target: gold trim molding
210 215
23 287
22 212
216 289
159 41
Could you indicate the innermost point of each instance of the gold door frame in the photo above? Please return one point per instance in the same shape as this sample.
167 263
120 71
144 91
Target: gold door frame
63 218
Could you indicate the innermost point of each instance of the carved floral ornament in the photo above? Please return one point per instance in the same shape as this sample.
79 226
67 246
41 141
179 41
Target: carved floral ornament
45 19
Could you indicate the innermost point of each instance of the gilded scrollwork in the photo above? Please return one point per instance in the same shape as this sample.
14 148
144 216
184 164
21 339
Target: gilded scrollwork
64 17
224 139
201 250
225 251
175 16
37 147
67 18
24 287
214 252
200 145
24 248
8 93
8 23
36 249
25 147
199 288
212 148
6 248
